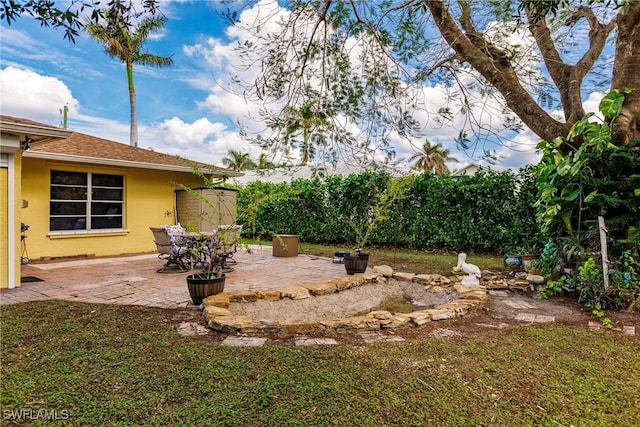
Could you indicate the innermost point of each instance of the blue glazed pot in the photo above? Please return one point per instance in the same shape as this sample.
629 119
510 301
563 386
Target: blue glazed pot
512 261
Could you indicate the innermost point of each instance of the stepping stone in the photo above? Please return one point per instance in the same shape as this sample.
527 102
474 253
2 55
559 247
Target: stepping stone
629 330
594 325
377 337
189 329
519 304
441 332
544 319
316 341
535 318
234 341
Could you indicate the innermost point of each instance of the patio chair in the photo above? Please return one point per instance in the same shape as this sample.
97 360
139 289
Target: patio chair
226 244
171 249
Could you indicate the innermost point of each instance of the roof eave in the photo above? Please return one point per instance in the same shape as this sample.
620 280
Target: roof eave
123 163
33 131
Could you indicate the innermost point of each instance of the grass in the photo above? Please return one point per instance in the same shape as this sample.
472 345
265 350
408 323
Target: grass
407 260
117 365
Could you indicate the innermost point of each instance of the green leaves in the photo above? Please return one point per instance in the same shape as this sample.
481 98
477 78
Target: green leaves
611 104
570 192
598 178
487 212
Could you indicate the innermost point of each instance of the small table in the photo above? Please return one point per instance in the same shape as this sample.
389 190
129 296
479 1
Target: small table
198 234
199 246
285 245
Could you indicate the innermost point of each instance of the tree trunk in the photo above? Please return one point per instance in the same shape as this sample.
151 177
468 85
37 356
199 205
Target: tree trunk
626 74
495 66
133 135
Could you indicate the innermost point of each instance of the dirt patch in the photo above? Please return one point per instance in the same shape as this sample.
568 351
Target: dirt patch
350 302
497 314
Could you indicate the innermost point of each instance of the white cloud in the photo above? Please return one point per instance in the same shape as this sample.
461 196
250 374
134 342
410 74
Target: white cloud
200 140
592 104
189 135
29 94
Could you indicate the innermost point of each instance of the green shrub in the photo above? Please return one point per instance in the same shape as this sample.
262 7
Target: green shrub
487 212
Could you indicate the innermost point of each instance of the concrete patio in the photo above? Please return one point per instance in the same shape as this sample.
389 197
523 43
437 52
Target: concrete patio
134 280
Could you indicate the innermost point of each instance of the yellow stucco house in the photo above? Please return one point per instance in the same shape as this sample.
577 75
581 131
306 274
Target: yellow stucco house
80 195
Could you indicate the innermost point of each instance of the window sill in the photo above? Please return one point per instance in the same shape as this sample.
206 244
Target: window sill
86 233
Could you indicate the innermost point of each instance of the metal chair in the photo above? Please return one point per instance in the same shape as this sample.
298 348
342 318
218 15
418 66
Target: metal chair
225 244
172 250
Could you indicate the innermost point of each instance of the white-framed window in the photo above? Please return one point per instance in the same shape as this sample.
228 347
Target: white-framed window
86 201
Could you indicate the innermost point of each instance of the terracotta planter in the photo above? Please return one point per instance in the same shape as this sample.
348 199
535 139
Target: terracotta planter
356 263
202 285
529 262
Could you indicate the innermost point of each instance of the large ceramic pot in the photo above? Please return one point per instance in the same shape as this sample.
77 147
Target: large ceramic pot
530 262
512 261
356 263
202 285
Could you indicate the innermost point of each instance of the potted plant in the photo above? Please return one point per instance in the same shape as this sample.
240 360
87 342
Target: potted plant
530 256
209 256
210 279
365 222
574 252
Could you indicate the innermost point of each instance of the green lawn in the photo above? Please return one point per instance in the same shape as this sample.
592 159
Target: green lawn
112 365
415 261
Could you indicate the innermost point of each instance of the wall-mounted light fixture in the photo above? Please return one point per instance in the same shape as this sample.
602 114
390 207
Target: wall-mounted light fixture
25 145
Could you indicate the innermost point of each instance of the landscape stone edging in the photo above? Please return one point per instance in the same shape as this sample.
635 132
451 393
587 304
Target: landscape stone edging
220 318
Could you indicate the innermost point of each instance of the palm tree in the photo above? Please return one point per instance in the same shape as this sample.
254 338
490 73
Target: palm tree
125 43
238 161
432 158
264 162
311 121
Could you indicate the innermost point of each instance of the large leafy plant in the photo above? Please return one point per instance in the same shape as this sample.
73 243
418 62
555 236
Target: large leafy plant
596 178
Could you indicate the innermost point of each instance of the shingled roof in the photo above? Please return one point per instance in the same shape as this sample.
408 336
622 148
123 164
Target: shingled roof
83 148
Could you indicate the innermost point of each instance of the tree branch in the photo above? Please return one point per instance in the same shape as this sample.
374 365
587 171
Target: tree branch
500 74
568 78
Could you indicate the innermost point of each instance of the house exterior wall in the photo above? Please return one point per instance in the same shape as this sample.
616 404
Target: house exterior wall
10 212
149 197
4 226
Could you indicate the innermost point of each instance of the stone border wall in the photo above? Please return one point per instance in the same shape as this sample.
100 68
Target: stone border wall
220 318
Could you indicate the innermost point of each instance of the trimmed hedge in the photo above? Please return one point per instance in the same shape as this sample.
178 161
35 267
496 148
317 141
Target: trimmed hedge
486 212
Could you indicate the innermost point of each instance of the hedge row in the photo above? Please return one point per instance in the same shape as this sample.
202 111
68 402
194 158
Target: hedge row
486 212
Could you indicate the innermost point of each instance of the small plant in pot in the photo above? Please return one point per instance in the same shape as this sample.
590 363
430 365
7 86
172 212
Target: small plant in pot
364 223
530 256
211 252
573 247
208 277
512 260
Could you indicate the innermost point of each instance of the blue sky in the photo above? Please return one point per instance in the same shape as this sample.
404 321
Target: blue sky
42 71
183 109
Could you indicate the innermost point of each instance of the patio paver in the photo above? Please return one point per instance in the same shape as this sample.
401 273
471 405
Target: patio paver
134 280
